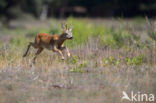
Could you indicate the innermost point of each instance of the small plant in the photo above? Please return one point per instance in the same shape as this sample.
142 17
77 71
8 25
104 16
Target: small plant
74 59
110 60
78 68
135 60
105 61
116 62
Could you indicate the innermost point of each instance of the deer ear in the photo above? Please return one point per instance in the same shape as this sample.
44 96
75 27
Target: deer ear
70 27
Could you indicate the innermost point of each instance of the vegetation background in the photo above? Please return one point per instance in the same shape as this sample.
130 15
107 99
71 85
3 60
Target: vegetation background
113 50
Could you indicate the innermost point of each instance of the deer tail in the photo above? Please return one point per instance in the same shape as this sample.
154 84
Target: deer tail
37 39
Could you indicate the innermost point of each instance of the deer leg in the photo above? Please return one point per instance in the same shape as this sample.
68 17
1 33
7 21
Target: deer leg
67 51
59 51
36 54
30 44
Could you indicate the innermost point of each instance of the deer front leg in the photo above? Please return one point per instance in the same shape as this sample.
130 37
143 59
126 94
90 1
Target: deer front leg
66 49
59 51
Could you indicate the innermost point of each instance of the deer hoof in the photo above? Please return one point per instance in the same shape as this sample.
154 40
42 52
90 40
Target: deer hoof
68 54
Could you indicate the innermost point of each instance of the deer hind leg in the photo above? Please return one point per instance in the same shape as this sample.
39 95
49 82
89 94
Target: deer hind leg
36 54
30 44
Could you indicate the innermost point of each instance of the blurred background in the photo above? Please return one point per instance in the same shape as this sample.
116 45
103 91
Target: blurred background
110 21
43 9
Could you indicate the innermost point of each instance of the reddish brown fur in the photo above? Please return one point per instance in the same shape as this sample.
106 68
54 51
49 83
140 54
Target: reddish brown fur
46 39
51 42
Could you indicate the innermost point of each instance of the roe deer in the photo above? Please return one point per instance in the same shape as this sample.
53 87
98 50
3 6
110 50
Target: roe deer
51 42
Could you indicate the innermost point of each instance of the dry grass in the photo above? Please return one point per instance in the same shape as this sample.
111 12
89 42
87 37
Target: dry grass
51 80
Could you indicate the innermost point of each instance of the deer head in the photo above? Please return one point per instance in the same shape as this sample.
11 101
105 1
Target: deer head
67 31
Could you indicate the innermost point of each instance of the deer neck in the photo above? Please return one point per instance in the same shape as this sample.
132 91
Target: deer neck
61 39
